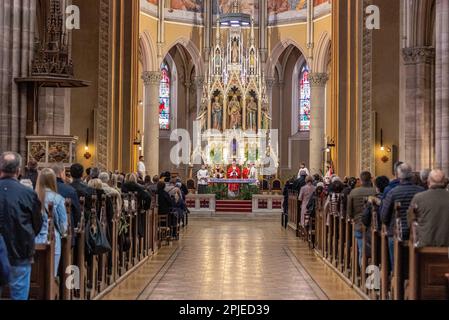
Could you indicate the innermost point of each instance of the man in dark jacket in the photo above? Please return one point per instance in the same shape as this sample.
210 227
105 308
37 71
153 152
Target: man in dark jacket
76 171
5 267
68 192
31 172
20 222
432 213
402 194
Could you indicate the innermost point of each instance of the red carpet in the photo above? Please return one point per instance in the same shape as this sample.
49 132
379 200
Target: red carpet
237 206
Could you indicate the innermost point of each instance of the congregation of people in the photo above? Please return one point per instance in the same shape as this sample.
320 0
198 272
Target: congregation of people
423 196
26 196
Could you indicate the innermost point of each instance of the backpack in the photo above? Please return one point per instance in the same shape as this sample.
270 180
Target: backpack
4 263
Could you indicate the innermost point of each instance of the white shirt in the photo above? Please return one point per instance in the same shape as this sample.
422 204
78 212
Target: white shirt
203 177
141 168
304 171
253 173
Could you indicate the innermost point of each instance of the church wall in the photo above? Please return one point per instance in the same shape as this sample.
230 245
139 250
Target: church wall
86 61
385 94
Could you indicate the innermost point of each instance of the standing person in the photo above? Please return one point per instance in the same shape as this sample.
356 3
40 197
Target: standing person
20 222
141 169
303 171
432 208
4 265
304 198
68 192
47 191
203 179
81 188
234 173
356 206
31 172
402 194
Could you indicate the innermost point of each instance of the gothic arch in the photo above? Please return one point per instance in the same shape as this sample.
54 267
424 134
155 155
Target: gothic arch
147 53
323 54
276 53
192 50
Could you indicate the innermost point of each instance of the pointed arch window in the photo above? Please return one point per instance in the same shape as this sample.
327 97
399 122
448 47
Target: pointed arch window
304 99
164 98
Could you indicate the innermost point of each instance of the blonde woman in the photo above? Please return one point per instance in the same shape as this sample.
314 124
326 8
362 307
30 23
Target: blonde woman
46 189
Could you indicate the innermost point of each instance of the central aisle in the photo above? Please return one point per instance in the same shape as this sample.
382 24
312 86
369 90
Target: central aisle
234 259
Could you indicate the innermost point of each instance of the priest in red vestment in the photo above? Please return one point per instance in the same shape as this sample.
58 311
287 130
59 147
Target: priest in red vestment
245 173
234 173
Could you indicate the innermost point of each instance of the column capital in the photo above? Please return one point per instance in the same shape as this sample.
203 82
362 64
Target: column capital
418 55
318 79
151 78
270 83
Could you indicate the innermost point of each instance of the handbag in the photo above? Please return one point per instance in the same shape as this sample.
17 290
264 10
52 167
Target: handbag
4 263
97 242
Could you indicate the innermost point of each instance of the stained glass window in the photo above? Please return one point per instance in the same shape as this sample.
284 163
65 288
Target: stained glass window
304 100
164 98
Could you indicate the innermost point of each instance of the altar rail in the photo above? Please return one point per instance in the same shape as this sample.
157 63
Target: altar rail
205 204
418 273
134 235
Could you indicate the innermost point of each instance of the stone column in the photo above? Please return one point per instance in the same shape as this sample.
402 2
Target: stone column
417 116
442 86
17 33
318 113
151 80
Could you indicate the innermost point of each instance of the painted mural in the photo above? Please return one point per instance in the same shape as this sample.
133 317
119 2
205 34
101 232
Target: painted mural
280 6
250 7
187 5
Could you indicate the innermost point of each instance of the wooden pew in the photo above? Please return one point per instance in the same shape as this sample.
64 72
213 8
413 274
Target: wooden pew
341 238
80 257
347 247
66 255
43 284
384 264
375 248
428 267
400 250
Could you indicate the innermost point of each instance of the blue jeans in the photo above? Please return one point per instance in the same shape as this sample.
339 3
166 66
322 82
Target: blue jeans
359 237
19 282
391 251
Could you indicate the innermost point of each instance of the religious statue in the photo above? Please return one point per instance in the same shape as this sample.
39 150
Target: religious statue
217 62
252 62
252 114
202 115
235 114
235 51
217 114
265 116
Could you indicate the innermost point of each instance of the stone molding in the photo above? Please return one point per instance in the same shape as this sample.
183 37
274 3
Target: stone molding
151 78
418 55
318 79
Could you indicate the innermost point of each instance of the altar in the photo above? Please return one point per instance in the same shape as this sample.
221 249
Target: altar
234 117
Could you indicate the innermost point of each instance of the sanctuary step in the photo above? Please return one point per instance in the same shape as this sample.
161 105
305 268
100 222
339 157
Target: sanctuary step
237 206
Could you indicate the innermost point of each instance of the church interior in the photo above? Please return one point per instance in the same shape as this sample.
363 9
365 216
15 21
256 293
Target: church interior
226 100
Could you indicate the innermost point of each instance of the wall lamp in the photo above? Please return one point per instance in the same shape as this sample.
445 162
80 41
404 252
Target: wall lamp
87 154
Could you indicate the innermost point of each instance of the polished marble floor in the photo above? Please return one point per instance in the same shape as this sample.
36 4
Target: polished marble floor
234 259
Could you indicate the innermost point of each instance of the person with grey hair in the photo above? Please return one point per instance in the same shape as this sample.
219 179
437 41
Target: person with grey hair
402 194
431 209
110 191
424 177
20 222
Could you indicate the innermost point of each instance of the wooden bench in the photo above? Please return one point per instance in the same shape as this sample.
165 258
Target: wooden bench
428 278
